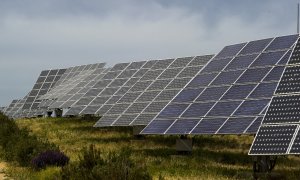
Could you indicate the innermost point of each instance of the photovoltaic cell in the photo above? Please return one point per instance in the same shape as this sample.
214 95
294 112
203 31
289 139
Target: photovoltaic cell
106 120
143 119
228 77
268 59
208 126
124 120
182 126
282 42
159 84
181 62
285 58
136 108
189 71
148 96
256 46
173 110
197 109
155 107
284 109
118 109
274 74
273 139
295 149
202 80
253 75
290 81
216 66
253 128
252 107
167 95
224 108
238 91
236 125
264 90
158 127
104 109
230 51
241 62
188 95
212 93
178 83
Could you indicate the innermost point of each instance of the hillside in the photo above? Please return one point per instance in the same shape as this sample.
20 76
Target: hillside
214 157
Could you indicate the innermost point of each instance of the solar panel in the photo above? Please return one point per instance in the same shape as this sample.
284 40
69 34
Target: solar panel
182 126
235 125
279 130
153 91
241 62
253 127
274 139
8 111
110 89
72 85
256 46
30 103
230 51
208 126
231 93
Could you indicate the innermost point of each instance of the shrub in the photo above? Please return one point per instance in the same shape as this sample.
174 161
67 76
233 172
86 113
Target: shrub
116 166
49 158
18 144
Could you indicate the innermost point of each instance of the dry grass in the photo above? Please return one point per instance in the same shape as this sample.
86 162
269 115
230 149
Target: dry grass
214 157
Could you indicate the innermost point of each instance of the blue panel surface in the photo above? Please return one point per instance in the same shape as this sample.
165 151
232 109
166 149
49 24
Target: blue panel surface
236 125
157 127
224 108
274 74
212 93
256 46
173 110
228 77
208 126
187 95
182 126
264 90
197 109
282 42
216 66
241 62
230 51
254 126
252 107
268 59
202 80
253 75
285 58
238 91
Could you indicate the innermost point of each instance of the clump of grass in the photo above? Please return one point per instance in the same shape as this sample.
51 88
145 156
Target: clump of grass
116 166
18 144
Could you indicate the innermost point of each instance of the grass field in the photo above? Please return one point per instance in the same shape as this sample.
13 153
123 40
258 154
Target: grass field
213 157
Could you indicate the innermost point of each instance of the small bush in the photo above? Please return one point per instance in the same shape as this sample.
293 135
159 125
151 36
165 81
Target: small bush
18 144
49 158
117 166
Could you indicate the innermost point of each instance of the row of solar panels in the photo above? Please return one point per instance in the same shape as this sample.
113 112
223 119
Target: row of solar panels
224 94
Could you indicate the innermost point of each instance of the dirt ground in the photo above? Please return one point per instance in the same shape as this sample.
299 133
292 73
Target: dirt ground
2 166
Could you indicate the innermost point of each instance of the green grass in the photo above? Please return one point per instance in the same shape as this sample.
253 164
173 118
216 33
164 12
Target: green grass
213 157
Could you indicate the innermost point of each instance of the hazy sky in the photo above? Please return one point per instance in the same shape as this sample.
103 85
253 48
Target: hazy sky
45 34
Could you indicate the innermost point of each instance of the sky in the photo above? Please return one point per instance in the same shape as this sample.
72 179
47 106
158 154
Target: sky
49 34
